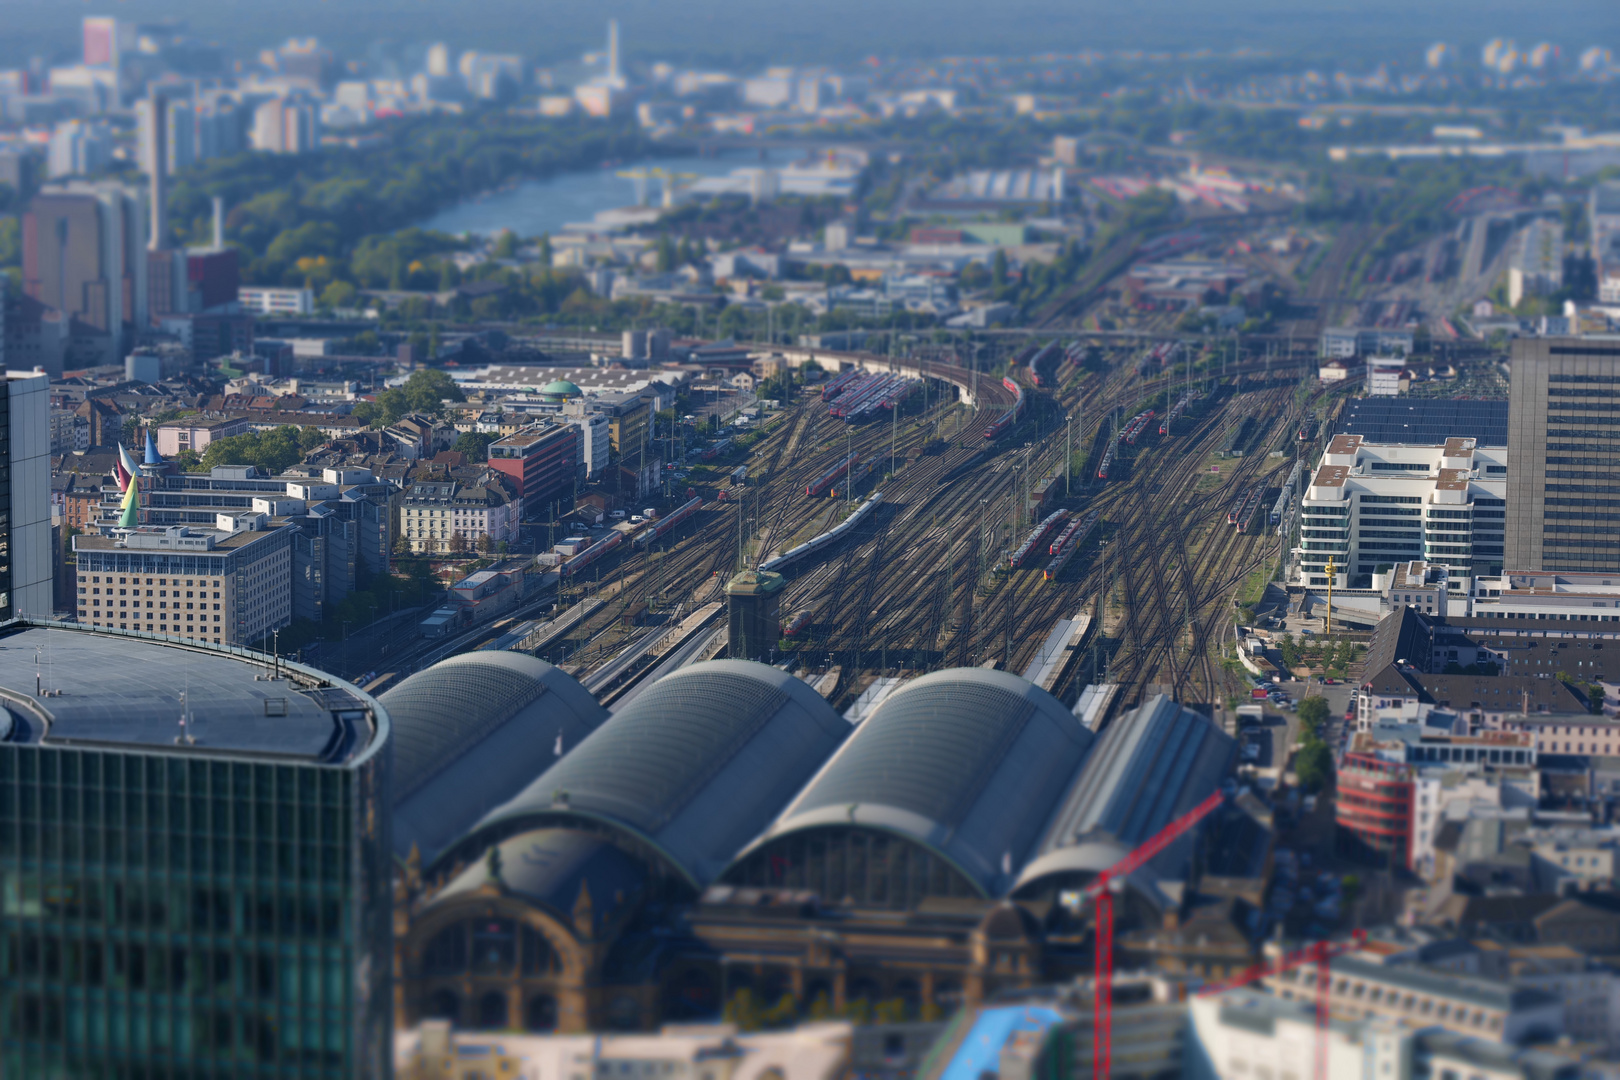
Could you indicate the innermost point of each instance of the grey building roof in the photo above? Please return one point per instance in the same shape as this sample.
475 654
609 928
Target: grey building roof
695 767
1485 993
1151 765
470 732
1531 1063
64 685
967 762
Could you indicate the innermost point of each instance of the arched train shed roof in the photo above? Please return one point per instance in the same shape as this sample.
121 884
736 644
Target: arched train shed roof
969 763
1153 764
695 766
470 732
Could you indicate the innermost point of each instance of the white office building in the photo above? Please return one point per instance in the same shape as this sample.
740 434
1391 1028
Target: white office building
1370 507
269 300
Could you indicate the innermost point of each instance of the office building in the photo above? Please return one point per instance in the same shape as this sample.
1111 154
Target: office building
287 125
1248 1032
542 461
595 437
25 487
1563 495
84 254
237 579
1370 507
195 847
270 300
78 148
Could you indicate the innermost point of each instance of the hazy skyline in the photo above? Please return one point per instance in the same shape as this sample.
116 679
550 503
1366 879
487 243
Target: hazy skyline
843 31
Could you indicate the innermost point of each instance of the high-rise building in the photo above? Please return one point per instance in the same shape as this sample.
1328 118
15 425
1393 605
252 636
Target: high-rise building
25 478
78 148
84 254
196 849
287 125
105 40
1563 491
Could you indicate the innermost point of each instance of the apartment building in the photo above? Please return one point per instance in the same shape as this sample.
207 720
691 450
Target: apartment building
1370 507
229 585
441 516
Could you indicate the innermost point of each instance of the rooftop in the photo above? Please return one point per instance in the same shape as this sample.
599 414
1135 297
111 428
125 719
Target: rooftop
67 686
1331 476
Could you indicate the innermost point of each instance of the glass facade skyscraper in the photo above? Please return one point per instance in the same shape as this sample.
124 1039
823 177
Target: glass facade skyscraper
1563 496
194 863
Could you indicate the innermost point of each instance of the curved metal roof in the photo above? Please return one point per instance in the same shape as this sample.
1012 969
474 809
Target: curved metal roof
550 867
470 732
696 765
1151 765
968 762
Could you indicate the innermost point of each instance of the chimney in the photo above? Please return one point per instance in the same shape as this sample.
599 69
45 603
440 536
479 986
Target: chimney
219 223
613 77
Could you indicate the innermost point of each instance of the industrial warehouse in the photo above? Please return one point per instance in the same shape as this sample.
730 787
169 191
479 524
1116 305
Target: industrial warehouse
726 831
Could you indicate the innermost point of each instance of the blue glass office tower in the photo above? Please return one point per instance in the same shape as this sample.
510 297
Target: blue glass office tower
194 863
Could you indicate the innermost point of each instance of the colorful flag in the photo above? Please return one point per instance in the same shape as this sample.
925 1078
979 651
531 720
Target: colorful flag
129 518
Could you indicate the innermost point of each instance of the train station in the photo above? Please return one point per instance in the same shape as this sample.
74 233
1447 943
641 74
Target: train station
727 832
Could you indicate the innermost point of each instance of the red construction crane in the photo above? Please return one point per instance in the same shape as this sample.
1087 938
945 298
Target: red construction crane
1101 892
1321 954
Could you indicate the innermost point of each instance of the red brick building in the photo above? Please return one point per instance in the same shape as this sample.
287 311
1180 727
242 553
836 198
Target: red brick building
542 461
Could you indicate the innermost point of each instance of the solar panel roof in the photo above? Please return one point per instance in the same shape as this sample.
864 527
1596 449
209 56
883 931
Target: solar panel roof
1425 421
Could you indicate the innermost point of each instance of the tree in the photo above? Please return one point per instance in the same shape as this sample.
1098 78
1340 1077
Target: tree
1313 714
505 245
475 444
458 542
1314 765
339 294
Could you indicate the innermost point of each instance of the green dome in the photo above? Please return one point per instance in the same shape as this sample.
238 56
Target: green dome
561 388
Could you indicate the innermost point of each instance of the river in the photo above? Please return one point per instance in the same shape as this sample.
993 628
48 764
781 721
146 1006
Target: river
545 206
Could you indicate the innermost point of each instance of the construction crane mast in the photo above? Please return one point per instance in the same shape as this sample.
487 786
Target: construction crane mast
1101 893
1321 954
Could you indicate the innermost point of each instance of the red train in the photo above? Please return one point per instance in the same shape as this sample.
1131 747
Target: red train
1000 427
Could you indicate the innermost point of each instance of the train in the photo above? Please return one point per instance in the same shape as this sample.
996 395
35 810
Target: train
856 475
1071 540
1045 358
569 567
1138 424
839 383
1243 510
1107 459
864 395
1176 411
739 476
1000 427
1279 509
666 524
1307 429
715 451
826 539
1032 542
820 484
796 625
